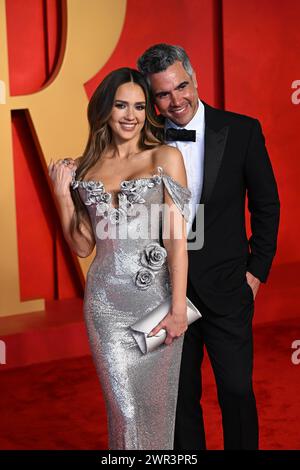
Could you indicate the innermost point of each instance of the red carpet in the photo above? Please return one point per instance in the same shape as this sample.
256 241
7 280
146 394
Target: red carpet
58 405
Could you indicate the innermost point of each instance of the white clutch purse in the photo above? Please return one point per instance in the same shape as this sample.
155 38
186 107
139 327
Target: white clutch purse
142 327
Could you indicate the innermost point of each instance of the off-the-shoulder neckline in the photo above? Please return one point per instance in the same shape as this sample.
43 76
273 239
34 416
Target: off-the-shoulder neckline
100 183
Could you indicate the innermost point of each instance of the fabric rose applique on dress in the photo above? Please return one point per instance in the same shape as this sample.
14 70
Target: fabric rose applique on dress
152 259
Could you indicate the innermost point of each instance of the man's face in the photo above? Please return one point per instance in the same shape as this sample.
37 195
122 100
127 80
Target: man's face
175 93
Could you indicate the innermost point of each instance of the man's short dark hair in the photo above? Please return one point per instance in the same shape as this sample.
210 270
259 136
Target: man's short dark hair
160 56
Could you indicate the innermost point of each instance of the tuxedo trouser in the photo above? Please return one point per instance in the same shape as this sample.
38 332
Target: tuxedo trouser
229 344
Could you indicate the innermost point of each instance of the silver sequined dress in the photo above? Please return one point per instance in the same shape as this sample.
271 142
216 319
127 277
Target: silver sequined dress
127 279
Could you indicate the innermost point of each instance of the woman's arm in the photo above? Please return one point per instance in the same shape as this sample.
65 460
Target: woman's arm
174 239
61 176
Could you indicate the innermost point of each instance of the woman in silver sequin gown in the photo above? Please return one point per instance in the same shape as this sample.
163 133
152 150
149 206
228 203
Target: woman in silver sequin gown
128 278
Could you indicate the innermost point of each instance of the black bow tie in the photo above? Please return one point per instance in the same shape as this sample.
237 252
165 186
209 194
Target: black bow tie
180 134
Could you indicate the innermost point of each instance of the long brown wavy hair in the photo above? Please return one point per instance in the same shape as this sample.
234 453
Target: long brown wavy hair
100 134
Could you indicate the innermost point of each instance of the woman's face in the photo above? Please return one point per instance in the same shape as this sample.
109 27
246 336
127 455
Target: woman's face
128 112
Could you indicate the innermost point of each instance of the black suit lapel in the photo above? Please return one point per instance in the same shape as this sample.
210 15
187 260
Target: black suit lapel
214 146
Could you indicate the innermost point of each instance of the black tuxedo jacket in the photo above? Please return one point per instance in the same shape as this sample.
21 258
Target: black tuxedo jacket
236 163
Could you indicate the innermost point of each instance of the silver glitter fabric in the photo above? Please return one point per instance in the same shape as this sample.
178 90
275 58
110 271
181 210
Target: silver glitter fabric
128 278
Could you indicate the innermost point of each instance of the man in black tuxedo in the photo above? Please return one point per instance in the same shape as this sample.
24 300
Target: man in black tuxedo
225 158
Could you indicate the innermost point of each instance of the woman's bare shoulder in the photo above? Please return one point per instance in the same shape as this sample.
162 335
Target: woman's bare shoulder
165 156
164 151
170 159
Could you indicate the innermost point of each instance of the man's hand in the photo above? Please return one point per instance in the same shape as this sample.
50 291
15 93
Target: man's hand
253 282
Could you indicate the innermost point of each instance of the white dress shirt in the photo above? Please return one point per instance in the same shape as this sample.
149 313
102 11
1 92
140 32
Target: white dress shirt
193 155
